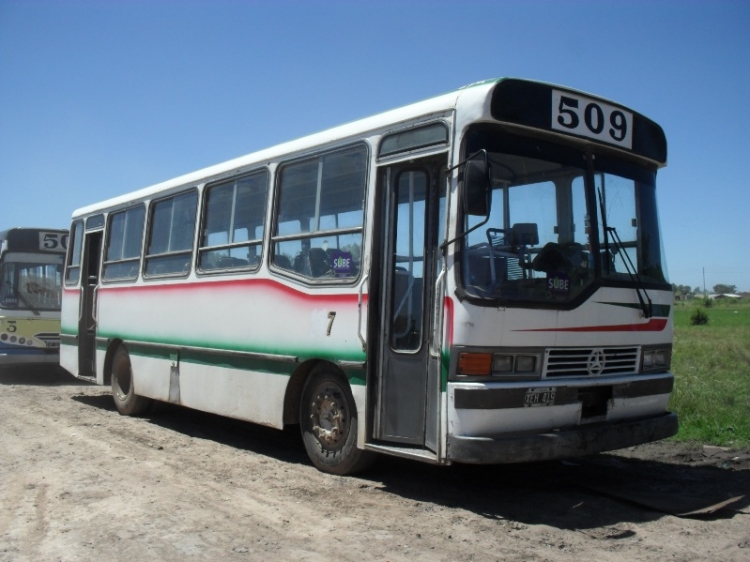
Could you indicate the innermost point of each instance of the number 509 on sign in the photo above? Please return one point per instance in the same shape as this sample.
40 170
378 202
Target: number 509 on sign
579 115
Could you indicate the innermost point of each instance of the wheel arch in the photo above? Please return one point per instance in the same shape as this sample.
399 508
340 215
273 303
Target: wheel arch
111 348
293 394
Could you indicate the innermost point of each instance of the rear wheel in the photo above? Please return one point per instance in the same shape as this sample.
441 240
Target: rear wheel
127 402
328 420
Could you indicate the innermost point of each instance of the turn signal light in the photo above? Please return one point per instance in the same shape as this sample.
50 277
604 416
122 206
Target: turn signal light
474 363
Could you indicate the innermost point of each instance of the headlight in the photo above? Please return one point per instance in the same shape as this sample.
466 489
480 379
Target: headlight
660 358
648 359
502 363
656 359
507 364
518 365
526 363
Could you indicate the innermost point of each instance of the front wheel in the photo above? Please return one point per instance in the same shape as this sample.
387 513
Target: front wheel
127 402
328 420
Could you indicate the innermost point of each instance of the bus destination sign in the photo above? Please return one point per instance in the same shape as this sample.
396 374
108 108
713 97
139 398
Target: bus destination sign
580 115
53 241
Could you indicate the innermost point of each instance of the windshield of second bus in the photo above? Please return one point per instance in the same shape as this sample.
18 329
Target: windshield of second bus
30 286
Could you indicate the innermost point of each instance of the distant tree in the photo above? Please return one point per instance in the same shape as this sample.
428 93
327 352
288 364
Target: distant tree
680 290
721 288
697 291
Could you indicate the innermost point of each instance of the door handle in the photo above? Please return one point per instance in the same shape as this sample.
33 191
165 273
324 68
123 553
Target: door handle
81 297
437 322
359 311
95 305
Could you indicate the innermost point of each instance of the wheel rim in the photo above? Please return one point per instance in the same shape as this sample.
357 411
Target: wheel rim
329 417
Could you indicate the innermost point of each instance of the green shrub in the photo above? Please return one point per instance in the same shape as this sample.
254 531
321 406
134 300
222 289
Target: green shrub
708 303
698 317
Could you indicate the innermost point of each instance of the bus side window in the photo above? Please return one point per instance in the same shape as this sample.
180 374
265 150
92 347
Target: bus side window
234 223
320 215
73 270
171 231
123 247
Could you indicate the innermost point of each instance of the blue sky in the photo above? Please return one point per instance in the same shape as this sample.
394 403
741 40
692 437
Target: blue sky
101 98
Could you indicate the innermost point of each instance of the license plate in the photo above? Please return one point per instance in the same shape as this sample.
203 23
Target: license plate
539 397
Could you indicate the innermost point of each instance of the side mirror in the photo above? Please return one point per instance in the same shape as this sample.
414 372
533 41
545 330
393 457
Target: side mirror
477 193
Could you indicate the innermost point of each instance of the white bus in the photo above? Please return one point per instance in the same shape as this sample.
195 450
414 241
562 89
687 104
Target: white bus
474 278
31 272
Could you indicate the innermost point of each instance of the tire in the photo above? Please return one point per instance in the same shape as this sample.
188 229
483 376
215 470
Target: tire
127 402
328 421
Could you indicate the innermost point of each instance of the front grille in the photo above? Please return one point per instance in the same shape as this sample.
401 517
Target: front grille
48 337
51 340
590 361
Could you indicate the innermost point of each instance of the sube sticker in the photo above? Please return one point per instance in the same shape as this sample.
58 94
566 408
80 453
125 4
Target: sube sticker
342 263
558 283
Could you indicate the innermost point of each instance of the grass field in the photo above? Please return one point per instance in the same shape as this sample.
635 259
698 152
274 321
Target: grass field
711 364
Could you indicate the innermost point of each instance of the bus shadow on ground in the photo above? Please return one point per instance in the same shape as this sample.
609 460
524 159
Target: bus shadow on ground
589 492
285 445
41 376
594 492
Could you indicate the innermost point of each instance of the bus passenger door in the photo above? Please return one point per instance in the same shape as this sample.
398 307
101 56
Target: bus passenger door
407 376
92 247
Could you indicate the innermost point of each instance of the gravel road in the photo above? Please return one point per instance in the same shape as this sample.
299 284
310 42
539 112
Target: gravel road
79 482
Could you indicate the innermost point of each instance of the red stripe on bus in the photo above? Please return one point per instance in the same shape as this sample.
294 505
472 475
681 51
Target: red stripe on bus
253 284
653 325
448 304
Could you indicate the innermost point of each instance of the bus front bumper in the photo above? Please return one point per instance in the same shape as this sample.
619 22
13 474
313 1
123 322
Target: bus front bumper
573 442
26 358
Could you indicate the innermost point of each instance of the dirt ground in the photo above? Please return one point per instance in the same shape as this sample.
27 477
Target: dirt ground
80 482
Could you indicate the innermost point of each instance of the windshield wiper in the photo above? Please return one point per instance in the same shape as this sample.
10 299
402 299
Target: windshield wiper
646 305
23 299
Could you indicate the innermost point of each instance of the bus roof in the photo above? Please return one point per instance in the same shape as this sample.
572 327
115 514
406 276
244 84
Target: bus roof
26 239
481 92
443 102
20 232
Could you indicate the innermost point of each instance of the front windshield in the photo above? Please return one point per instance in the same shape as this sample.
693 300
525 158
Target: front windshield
543 232
628 228
30 286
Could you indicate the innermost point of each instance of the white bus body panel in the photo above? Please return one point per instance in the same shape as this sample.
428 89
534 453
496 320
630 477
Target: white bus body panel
610 318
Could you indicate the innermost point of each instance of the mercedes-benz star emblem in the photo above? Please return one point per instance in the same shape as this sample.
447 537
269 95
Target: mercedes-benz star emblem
596 362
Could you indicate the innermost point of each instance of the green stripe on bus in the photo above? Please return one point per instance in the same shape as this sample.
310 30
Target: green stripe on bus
215 358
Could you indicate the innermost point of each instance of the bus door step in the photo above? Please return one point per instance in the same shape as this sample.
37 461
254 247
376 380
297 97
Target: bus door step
424 455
